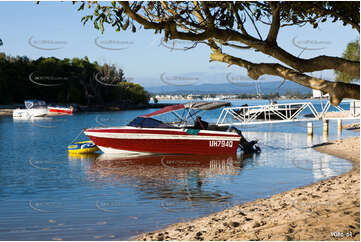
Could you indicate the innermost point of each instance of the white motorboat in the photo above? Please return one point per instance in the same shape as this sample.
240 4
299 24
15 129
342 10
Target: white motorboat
34 109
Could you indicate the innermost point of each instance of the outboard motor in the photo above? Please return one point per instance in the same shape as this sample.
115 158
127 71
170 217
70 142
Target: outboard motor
248 147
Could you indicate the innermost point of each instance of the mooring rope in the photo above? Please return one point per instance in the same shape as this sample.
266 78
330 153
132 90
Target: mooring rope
81 131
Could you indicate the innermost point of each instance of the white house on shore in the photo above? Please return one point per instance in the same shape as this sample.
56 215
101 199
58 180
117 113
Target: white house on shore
318 94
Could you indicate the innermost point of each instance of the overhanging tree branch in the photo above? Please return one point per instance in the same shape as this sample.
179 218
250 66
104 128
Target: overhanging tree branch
318 63
275 26
224 23
337 90
140 19
268 47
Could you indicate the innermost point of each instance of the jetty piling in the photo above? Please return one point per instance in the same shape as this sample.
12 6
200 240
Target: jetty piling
339 124
325 137
309 128
325 126
339 128
309 140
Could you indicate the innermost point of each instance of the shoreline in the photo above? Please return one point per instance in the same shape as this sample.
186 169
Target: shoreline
8 110
325 210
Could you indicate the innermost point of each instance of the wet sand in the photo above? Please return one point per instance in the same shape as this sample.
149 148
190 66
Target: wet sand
353 126
326 210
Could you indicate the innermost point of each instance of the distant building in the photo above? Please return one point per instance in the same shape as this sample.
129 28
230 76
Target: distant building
193 97
318 94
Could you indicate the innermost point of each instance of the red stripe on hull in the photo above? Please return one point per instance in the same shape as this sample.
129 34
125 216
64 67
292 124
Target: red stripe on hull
154 131
168 146
53 110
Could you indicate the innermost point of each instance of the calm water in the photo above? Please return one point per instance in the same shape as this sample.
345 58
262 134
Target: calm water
47 195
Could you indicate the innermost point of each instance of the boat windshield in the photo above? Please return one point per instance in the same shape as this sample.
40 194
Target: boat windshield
148 123
29 104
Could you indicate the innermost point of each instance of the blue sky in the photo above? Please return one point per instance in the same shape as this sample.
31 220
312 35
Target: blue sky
140 55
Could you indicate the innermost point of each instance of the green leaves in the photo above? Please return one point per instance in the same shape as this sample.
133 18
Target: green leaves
102 25
352 53
81 7
86 18
257 13
96 26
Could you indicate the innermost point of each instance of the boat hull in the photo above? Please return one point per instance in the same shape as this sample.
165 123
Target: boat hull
30 113
163 141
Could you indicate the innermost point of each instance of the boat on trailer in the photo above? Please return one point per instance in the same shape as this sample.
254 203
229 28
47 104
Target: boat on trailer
148 135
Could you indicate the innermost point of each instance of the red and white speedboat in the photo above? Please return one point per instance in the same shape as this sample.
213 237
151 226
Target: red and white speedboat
147 135
60 110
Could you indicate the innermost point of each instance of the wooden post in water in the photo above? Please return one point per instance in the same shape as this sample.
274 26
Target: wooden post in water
339 127
309 129
325 126
339 124
325 137
309 140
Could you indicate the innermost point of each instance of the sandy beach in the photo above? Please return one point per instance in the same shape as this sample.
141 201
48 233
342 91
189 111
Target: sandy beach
326 210
6 112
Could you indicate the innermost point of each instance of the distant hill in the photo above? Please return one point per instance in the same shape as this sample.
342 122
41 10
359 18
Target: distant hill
229 88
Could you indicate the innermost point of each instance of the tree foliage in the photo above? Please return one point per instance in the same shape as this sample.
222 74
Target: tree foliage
235 24
352 53
65 81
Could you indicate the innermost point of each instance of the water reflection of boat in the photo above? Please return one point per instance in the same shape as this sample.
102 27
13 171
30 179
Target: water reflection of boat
179 177
158 165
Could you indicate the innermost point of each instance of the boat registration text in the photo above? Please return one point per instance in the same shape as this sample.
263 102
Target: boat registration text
220 143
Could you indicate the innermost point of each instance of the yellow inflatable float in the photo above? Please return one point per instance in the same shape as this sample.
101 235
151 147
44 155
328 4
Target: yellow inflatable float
82 147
